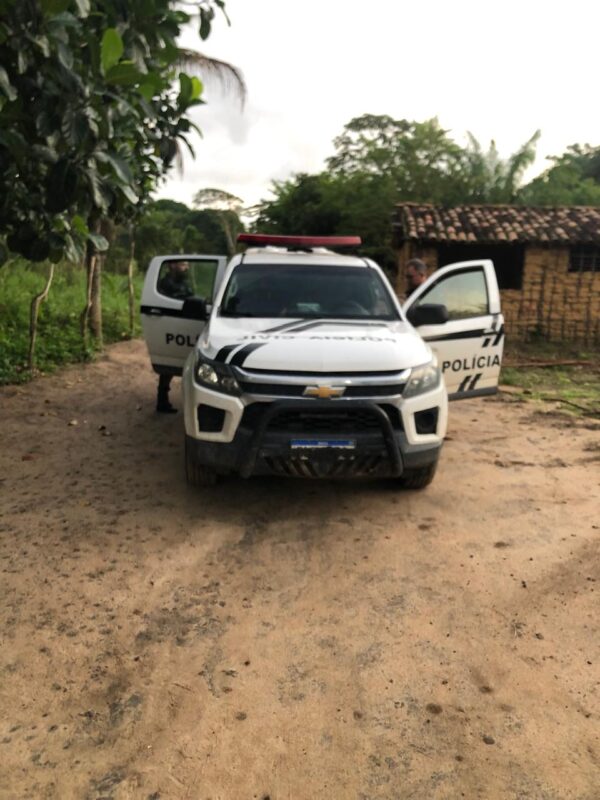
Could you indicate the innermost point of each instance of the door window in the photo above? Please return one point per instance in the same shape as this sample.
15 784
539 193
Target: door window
463 293
180 278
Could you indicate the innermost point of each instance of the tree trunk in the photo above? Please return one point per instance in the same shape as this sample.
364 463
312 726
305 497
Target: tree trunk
130 287
33 317
96 301
225 224
91 257
91 316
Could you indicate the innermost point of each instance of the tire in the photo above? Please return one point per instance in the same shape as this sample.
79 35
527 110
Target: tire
418 478
197 474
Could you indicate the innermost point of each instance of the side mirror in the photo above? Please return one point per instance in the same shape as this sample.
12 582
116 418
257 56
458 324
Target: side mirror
427 314
195 308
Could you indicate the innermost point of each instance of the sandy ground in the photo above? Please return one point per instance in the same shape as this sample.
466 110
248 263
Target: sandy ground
288 639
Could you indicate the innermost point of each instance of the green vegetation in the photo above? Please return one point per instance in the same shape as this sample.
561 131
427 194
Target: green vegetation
380 161
170 227
573 179
166 227
94 105
570 377
95 102
59 339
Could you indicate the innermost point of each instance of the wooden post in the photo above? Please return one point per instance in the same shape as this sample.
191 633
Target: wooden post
130 286
91 257
33 317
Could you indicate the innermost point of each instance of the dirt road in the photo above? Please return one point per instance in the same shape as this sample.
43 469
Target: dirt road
292 640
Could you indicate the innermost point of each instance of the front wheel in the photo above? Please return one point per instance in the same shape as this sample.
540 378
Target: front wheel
418 478
197 474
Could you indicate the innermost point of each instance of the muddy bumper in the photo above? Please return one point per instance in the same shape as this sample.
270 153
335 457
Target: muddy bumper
317 440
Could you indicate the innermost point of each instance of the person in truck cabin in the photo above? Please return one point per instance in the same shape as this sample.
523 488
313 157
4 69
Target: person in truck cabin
175 282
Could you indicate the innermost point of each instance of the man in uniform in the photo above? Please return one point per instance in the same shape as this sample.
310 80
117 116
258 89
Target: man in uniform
176 280
174 283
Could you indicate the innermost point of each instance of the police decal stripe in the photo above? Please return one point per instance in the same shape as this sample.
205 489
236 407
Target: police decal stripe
469 382
160 311
463 384
499 336
241 355
282 327
474 382
459 335
224 351
306 326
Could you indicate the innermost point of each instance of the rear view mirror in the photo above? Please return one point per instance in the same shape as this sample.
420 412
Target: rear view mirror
427 314
195 308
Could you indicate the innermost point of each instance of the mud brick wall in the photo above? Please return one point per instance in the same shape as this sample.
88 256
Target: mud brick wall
553 302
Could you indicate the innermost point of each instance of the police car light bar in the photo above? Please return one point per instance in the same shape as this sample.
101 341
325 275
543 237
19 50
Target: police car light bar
263 239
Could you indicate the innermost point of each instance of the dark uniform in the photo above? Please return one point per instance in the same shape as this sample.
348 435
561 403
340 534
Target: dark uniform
176 285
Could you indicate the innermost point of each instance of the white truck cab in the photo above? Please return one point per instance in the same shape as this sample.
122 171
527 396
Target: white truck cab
299 361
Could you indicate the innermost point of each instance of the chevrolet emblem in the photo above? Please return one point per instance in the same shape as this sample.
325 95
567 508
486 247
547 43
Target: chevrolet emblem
324 392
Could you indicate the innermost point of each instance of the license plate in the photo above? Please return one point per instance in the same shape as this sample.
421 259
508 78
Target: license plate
323 444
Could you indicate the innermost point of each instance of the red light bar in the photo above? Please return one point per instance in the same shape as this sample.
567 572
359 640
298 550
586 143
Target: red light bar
299 241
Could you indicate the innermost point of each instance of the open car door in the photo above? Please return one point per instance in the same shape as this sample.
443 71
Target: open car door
177 291
469 344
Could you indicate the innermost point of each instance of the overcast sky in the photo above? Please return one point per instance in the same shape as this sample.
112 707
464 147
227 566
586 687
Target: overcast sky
499 70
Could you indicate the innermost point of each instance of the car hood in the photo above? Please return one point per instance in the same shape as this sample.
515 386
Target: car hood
313 345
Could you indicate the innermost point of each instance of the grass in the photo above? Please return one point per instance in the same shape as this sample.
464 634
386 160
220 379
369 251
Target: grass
59 340
575 387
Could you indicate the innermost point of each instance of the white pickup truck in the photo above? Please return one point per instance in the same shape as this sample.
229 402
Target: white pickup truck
299 361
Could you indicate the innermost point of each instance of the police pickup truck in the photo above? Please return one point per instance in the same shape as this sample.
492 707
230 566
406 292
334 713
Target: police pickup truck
299 361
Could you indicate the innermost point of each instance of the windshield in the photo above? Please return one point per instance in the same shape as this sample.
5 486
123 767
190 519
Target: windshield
261 290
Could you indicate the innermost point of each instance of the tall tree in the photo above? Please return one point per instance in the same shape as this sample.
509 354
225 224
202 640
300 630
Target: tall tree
88 119
328 204
93 106
573 179
227 208
419 158
492 179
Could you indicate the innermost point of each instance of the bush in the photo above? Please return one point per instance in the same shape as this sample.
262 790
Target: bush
59 339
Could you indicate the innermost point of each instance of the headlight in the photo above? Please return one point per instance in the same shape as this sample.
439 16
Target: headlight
216 376
422 379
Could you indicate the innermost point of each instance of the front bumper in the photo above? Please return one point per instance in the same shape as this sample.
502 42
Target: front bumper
262 444
255 435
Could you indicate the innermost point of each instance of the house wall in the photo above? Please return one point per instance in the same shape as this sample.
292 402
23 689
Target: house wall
552 302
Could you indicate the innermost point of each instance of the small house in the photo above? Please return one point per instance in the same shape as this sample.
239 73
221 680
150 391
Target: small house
547 260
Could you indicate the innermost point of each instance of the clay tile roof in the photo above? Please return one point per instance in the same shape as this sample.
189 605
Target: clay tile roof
488 224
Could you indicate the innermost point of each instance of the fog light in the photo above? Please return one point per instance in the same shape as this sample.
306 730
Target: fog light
210 419
426 421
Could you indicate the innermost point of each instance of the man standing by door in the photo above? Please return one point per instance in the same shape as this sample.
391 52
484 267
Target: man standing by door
416 274
174 282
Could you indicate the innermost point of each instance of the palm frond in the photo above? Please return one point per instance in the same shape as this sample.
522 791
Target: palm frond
228 77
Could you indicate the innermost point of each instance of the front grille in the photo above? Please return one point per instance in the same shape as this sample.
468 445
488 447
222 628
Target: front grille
276 389
291 390
334 422
342 467
337 419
